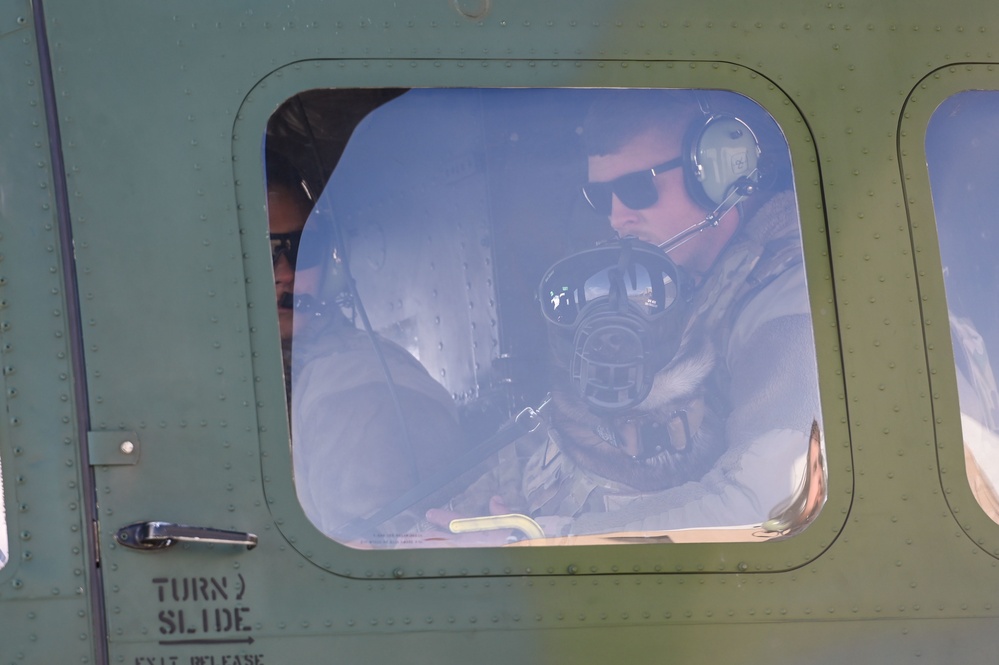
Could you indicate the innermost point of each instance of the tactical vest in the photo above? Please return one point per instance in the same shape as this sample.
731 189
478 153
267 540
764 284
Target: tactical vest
763 248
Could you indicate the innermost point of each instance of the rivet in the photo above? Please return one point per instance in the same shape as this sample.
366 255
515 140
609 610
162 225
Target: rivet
127 447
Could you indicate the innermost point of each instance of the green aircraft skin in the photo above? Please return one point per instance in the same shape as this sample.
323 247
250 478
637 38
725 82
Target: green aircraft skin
142 380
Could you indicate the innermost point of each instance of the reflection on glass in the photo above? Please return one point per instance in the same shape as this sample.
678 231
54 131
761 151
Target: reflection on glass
961 144
643 273
575 381
4 543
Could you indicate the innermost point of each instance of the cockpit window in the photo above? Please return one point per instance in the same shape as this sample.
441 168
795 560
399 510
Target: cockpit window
962 141
534 316
4 543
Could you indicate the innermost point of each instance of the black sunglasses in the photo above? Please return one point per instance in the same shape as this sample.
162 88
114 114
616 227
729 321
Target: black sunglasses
287 245
635 190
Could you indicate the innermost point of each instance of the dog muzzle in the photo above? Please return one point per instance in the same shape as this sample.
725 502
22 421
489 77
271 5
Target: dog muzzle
615 315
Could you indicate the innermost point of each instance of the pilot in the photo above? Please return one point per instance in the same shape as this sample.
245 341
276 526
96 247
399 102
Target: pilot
687 393
367 420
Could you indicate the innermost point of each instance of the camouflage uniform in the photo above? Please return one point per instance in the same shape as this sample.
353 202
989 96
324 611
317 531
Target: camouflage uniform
753 412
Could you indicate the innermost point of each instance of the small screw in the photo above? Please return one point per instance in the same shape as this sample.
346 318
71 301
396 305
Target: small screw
127 447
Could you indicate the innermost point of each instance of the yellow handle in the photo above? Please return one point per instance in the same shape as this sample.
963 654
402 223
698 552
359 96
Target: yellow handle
521 523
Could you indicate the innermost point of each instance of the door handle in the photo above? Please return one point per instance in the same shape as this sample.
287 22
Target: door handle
160 535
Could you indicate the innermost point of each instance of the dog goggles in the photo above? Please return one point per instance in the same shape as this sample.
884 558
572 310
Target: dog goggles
638 271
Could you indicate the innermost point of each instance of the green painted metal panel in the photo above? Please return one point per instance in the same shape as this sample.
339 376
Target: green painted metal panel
162 110
45 585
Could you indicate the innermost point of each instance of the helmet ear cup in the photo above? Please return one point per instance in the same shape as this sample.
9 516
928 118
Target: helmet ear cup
721 153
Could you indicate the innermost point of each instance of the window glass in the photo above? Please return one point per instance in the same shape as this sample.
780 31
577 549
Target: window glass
4 544
962 141
531 316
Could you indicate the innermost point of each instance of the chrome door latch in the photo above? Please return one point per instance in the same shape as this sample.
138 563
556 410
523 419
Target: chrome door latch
147 536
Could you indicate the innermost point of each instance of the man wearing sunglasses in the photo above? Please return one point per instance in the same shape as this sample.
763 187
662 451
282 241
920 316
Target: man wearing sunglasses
367 420
645 197
287 209
720 436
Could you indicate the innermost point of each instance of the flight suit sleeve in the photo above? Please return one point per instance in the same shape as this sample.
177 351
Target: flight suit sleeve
354 449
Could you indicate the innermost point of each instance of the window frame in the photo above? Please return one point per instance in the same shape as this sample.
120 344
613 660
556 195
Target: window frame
925 99
734 557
